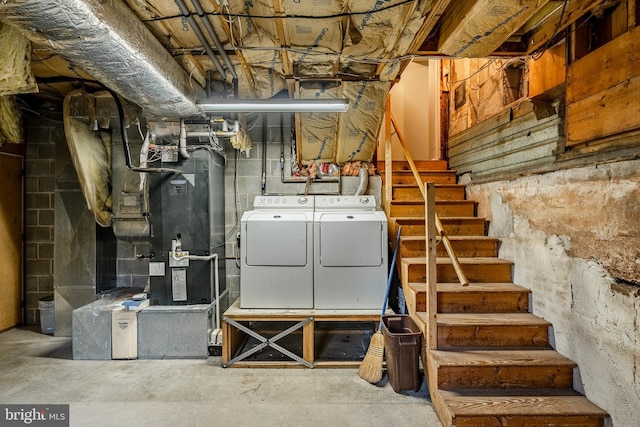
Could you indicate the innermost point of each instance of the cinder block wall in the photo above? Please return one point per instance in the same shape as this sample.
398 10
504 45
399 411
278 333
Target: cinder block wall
41 135
131 270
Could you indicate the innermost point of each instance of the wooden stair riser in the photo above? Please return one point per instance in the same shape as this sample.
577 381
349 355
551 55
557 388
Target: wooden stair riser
520 408
479 302
530 420
444 208
453 227
483 273
447 192
483 377
421 165
437 177
504 336
463 248
475 298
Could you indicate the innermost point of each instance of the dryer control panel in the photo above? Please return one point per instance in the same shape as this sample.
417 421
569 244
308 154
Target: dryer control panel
364 202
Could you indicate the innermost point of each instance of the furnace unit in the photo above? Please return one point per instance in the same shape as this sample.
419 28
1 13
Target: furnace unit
186 213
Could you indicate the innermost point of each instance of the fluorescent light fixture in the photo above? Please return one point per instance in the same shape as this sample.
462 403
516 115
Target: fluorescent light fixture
284 105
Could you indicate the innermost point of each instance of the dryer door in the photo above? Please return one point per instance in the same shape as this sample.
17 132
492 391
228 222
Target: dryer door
277 239
350 239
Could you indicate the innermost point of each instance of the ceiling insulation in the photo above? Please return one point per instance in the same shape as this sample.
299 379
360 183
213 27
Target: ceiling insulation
11 123
15 67
150 51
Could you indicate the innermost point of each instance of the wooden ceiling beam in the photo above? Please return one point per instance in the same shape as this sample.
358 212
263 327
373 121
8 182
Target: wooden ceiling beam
433 16
476 28
287 64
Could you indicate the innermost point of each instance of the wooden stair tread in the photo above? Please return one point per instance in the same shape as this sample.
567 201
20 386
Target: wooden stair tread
409 172
459 238
438 164
447 260
438 202
491 319
472 287
507 392
436 185
520 404
501 358
479 287
418 220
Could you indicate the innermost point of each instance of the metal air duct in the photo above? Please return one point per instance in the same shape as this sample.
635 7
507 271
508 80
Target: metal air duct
107 40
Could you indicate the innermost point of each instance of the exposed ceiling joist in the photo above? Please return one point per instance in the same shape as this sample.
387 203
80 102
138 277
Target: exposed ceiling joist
286 62
433 17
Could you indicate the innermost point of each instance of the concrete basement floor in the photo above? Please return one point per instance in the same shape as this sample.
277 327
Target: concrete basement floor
38 369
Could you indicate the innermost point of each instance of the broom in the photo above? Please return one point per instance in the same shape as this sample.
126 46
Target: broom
371 366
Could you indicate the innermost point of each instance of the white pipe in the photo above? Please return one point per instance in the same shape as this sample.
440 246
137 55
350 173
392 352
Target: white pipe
183 140
212 133
213 257
217 291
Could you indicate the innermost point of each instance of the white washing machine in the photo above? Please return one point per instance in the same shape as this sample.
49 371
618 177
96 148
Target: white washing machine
350 245
276 251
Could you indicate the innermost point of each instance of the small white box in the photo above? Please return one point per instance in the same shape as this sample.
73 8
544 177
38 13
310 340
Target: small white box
124 334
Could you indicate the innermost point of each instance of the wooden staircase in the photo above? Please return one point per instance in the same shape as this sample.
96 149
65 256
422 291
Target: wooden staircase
493 365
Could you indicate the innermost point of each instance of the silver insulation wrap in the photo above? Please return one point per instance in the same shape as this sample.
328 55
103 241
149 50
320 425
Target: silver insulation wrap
107 40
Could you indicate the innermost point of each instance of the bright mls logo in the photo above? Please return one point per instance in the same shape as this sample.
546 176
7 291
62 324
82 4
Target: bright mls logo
34 415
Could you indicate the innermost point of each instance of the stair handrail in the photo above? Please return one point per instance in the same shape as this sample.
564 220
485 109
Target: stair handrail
462 278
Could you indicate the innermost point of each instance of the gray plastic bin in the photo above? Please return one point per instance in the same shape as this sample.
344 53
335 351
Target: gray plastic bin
47 315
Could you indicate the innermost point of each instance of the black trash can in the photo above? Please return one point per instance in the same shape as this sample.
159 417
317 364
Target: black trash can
402 347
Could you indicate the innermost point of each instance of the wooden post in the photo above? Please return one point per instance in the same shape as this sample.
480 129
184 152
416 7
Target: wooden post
432 275
388 158
308 344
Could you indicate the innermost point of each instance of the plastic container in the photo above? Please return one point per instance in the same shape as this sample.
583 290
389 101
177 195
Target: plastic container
402 346
47 315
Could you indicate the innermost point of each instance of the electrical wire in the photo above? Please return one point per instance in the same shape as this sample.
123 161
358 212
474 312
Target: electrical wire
315 17
485 65
25 108
537 55
310 51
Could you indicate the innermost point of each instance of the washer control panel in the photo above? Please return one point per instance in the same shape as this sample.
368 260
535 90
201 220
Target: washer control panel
283 202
